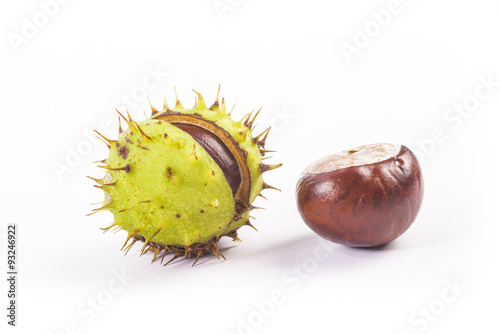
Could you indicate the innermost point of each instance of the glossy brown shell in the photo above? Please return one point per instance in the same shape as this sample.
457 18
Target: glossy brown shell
363 206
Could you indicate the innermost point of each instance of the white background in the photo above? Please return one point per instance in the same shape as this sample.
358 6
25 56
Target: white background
64 77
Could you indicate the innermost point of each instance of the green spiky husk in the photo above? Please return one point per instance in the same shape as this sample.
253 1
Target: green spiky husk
165 190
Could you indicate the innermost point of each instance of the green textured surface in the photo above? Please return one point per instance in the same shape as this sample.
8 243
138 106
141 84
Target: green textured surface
173 185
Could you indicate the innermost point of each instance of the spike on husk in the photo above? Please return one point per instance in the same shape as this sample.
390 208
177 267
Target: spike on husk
178 104
215 105
153 109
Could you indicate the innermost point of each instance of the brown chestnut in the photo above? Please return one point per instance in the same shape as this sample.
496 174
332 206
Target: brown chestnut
364 197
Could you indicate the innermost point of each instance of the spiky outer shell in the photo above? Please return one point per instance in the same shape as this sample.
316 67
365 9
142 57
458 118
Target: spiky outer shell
166 190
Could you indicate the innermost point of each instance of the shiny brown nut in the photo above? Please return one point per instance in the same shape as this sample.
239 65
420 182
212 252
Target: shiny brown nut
364 197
